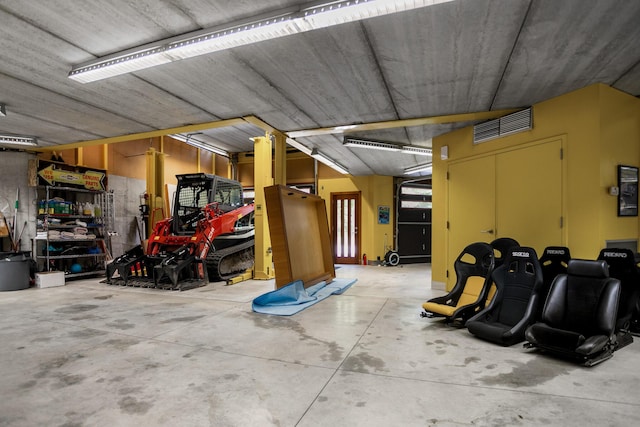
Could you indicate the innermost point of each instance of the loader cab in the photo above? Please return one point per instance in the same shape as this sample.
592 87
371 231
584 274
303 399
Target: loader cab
195 191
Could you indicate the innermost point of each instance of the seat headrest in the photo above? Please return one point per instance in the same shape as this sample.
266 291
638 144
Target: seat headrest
588 268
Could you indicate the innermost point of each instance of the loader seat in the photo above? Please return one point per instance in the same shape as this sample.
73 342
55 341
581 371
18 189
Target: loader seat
622 266
554 261
515 305
501 247
473 285
579 316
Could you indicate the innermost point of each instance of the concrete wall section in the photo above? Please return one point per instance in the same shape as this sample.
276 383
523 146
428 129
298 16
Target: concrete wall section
14 166
127 193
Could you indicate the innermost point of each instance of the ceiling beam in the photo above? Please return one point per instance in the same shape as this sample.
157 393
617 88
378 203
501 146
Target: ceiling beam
144 135
434 120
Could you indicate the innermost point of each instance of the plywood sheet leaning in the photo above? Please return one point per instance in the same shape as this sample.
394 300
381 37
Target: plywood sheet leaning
300 237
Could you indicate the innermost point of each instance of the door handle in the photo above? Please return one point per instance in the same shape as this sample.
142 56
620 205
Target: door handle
490 231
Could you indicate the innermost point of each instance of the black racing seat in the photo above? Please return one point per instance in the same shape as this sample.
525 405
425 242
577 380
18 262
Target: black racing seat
473 286
554 261
501 247
515 304
579 316
622 266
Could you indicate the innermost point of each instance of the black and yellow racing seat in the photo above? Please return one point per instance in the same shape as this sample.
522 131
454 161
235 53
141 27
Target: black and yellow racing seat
501 247
473 286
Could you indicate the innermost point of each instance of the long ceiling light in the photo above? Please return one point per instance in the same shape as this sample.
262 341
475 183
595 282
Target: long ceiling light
199 144
374 145
386 146
328 161
254 30
18 140
300 147
426 167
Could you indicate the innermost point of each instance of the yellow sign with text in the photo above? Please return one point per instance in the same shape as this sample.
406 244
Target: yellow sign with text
91 180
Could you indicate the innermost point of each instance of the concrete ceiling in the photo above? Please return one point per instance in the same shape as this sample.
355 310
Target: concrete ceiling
459 57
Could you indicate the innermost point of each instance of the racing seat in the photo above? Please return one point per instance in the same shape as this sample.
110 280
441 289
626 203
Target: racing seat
473 286
622 266
515 304
554 261
579 316
501 247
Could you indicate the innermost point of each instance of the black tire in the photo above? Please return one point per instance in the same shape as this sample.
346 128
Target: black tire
392 258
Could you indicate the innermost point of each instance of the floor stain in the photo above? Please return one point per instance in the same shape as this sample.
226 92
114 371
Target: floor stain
361 362
27 385
86 333
131 405
125 391
77 308
47 367
121 343
67 380
334 351
103 297
182 319
231 377
472 359
121 324
532 373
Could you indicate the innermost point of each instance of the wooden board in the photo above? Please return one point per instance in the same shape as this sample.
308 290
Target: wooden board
300 237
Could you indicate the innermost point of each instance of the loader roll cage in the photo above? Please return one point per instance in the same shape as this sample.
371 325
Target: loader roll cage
194 192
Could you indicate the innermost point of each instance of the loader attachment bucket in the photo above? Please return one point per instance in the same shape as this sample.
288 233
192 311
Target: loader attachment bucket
179 267
130 263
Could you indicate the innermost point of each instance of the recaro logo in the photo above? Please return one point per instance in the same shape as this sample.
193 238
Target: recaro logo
555 251
615 254
520 254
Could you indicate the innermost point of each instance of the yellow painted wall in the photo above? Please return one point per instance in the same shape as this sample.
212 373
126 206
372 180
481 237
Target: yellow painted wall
375 191
619 145
600 127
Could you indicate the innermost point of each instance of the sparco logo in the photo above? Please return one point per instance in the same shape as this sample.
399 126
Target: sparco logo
520 254
555 251
615 254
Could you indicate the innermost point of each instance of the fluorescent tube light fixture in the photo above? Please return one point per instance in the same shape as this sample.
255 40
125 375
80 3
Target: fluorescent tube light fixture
254 30
419 151
373 145
427 167
295 144
328 161
386 146
199 144
18 140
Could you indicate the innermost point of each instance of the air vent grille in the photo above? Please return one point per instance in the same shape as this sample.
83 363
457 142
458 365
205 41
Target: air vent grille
519 121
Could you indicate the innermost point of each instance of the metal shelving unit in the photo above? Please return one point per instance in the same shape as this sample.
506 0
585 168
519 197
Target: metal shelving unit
72 252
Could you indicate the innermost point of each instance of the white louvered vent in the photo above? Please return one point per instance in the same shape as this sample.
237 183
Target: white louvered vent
519 121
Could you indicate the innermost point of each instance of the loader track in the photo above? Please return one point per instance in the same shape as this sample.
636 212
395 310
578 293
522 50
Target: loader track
226 263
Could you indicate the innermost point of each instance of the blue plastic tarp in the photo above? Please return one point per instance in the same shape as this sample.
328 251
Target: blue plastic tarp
293 298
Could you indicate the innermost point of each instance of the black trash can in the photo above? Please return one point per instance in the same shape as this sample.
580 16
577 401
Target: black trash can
14 271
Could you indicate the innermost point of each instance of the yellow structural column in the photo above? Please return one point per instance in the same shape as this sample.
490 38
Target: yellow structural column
280 159
155 187
263 177
79 156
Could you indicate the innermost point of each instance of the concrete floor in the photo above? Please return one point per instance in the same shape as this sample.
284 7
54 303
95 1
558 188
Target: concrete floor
88 354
